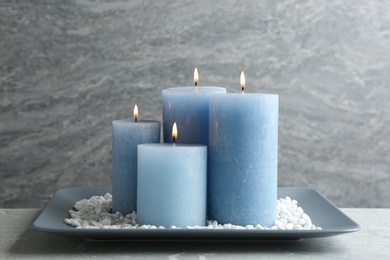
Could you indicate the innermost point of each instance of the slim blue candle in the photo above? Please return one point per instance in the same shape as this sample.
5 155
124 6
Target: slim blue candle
243 159
189 107
126 135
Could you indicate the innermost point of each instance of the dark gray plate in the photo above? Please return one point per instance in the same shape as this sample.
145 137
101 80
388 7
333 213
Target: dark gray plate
322 212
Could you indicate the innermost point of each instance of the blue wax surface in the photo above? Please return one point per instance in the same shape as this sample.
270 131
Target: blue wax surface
172 185
126 135
243 156
189 108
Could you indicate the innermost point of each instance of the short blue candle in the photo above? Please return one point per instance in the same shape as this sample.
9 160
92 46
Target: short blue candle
189 107
172 185
243 159
126 135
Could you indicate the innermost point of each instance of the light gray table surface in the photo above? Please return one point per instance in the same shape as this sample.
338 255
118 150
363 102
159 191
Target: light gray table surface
19 240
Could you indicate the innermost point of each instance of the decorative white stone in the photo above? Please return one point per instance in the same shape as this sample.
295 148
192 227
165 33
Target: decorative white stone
95 213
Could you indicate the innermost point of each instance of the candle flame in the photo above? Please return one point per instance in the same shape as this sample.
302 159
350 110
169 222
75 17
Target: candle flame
135 113
196 76
242 81
174 132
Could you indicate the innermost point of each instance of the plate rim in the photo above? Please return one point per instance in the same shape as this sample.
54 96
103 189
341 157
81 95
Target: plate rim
52 208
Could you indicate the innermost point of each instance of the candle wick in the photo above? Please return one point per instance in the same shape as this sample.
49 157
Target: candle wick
196 85
174 141
136 119
242 90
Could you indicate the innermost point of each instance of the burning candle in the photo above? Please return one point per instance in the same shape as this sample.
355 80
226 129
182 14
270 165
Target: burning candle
243 158
189 107
126 135
172 184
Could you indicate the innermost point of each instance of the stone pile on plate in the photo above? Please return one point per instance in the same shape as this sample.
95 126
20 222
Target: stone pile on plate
95 213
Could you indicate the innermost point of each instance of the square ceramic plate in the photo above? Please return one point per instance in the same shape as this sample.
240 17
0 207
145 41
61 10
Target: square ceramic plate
321 211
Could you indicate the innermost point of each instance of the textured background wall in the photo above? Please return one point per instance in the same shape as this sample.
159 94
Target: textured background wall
68 68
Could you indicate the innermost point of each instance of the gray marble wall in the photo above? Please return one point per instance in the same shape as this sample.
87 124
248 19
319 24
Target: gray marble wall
68 68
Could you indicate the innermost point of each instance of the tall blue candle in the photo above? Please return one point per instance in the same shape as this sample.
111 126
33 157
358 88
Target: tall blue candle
126 135
172 185
243 158
189 107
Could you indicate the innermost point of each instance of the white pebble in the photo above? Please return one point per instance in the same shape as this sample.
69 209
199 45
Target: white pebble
307 226
95 213
106 222
227 226
143 227
258 226
238 227
76 222
293 220
290 226
106 226
97 224
91 227
85 223
298 227
107 196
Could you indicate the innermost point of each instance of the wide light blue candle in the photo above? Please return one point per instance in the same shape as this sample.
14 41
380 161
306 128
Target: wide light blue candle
189 107
243 157
126 135
172 185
